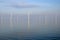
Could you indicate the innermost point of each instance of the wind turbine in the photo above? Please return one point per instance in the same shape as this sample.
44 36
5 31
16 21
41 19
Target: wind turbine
56 19
28 20
11 23
17 19
45 20
1 20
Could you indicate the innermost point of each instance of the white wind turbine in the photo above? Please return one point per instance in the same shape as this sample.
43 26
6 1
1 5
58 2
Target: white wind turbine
28 20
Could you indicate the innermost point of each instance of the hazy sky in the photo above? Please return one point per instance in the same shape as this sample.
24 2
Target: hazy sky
25 6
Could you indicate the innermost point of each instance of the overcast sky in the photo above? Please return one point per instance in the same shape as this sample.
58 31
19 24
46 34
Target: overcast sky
25 6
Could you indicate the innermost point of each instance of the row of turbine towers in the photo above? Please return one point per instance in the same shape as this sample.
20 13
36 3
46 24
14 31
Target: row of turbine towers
41 19
28 16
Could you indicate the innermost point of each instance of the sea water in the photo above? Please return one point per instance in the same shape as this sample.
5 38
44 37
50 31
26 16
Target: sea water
37 33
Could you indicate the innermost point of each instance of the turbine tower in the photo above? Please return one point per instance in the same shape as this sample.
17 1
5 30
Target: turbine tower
11 23
56 18
28 20
1 20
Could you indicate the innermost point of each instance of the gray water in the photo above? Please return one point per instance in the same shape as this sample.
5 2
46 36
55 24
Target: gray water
40 33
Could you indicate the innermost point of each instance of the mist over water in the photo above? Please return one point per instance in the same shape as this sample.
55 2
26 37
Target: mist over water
42 27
